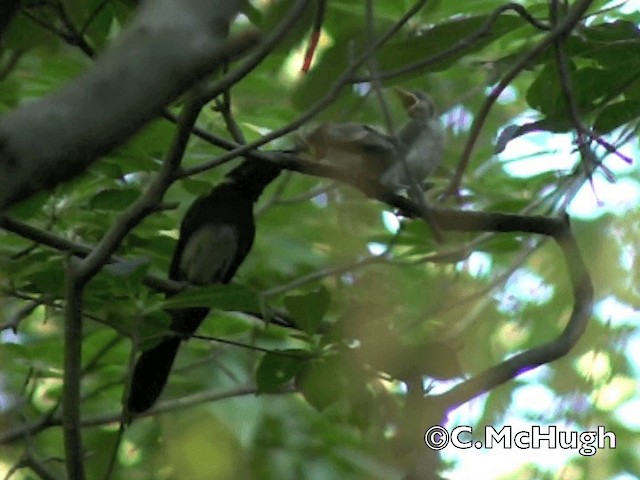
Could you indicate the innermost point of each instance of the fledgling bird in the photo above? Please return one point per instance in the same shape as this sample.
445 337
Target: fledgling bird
420 142
216 234
379 156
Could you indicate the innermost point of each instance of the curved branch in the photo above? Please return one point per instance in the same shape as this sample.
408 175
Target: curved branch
582 307
468 221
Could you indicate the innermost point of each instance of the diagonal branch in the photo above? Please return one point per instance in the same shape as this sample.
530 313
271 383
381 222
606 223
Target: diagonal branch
8 9
43 237
562 28
461 45
168 48
332 94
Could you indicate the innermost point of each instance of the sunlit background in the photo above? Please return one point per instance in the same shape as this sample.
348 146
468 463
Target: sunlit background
532 401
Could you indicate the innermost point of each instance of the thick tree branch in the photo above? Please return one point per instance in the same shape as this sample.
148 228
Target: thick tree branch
168 48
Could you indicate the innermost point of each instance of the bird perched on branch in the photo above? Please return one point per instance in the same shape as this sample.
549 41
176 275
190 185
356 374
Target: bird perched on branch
216 235
413 153
420 141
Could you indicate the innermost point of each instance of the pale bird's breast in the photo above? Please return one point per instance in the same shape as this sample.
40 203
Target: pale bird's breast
208 253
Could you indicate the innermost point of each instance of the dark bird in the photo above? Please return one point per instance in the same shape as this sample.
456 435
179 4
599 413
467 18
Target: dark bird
418 144
216 235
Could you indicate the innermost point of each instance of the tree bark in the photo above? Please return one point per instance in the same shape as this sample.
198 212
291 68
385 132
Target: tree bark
167 48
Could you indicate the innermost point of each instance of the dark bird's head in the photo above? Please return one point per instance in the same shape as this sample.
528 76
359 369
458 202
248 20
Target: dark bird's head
252 176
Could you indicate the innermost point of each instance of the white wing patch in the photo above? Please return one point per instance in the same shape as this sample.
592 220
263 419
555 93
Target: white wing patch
208 253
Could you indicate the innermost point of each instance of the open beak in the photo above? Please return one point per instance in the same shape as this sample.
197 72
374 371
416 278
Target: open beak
407 98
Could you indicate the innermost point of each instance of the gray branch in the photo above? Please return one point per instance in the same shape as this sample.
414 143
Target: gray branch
167 48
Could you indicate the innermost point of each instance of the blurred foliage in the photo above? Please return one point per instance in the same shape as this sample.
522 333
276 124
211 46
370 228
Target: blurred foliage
487 298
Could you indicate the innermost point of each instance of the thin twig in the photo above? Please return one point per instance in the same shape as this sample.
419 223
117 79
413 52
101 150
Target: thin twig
247 346
73 37
564 76
43 237
322 273
26 310
147 202
573 16
109 418
335 270
460 45
224 107
261 51
92 16
324 102
304 197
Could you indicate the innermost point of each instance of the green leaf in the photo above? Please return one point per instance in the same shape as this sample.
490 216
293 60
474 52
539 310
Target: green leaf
114 199
309 309
24 34
500 244
296 33
222 297
228 325
616 115
47 275
544 93
277 368
102 16
610 44
152 141
321 381
593 86
398 53
152 328
416 233
331 63
31 206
